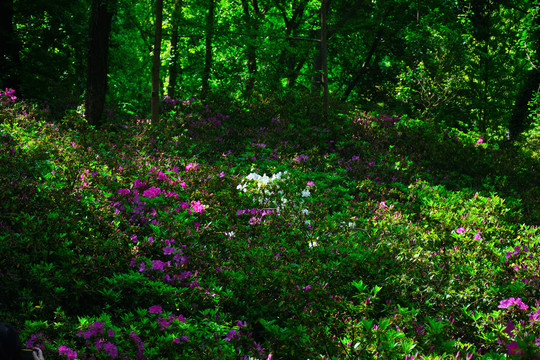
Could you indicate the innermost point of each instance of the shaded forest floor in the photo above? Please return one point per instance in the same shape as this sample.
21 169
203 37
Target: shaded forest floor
256 233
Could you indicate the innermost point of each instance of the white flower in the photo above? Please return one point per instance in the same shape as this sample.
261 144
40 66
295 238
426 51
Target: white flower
312 244
230 234
264 180
253 176
305 211
305 193
352 225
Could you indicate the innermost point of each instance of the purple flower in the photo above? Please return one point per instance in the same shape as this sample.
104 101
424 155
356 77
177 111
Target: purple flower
156 309
124 191
535 316
64 350
111 349
509 328
513 347
168 250
230 335
159 265
152 192
139 184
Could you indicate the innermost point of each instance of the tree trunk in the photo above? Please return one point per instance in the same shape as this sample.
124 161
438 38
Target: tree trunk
98 54
317 69
354 82
520 112
324 57
252 27
208 54
10 61
156 62
173 66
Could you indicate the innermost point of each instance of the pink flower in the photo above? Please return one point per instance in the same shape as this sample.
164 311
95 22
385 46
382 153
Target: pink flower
513 301
477 236
310 183
197 207
481 140
506 303
460 230
156 309
192 167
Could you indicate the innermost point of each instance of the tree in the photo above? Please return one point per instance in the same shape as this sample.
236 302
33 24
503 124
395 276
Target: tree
98 53
518 120
324 55
156 62
208 46
173 66
9 48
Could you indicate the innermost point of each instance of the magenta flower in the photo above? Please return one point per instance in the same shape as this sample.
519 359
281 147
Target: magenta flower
535 316
197 207
124 191
506 303
460 230
156 309
152 192
310 183
139 184
477 236
513 347
192 167
64 350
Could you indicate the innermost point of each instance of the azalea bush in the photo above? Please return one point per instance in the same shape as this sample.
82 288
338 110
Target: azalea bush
207 236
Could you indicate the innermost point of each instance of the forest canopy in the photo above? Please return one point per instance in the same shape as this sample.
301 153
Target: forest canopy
465 64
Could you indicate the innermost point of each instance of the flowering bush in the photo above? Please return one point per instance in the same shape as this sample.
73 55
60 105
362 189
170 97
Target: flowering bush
205 237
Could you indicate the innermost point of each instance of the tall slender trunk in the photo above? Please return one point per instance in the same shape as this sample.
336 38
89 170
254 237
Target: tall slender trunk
173 66
156 62
10 61
358 76
97 60
252 26
324 56
208 54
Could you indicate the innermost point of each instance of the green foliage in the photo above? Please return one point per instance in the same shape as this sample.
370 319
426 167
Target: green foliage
204 237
